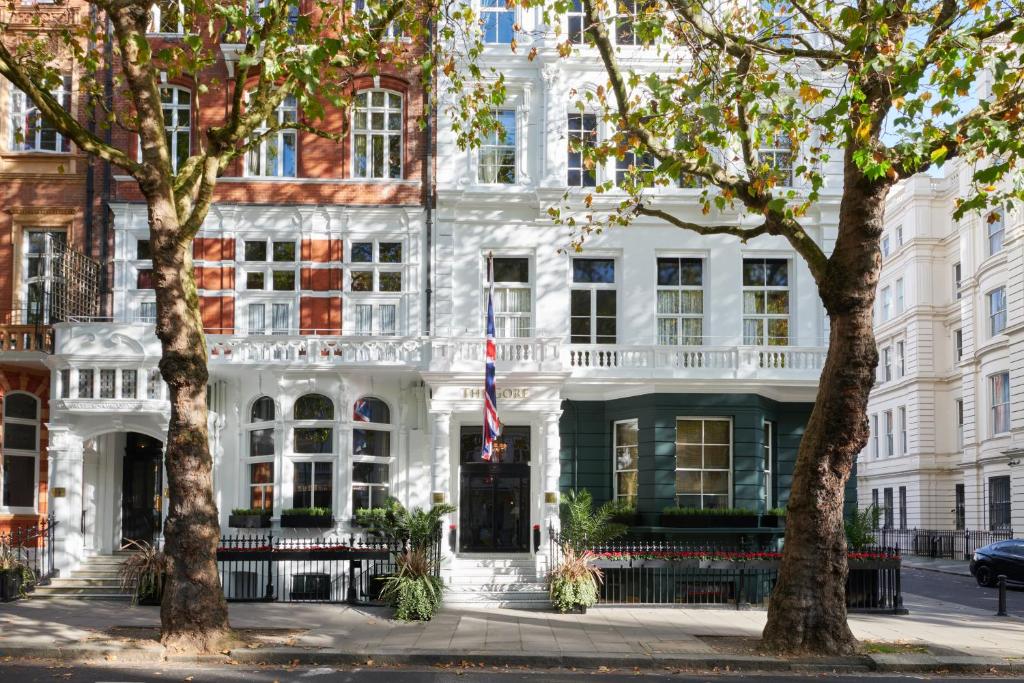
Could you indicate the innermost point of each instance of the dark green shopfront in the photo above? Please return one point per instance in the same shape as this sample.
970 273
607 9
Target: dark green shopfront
676 450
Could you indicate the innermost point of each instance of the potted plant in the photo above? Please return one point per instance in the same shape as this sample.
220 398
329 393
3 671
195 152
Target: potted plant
414 591
143 574
573 583
15 575
249 518
584 527
714 518
862 587
307 518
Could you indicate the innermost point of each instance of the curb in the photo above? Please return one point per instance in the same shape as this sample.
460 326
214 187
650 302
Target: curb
937 570
883 663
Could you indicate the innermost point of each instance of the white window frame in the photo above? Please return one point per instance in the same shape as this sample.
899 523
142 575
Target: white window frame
997 316
958 408
573 14
901 359
1000 404
248 459
156 16
886 304
581 133
765 318
498 8
22 107
874 437
899 236
22 453
885 247
287 110
493 143
732 445
616 448
592 289
898 288
48 259
890 444
901 416
886 364
291 457
679 317
388 460
779 156
958 344
957 280
995 231
384 316
503 320
172 122
267 296
375 266
366 131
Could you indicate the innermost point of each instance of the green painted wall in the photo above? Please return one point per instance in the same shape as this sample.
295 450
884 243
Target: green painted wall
586 434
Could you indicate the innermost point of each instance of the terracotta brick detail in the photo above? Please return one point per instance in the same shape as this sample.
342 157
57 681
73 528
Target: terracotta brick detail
322 251
321 279
36 383
214 249
320 315
214 277
218 314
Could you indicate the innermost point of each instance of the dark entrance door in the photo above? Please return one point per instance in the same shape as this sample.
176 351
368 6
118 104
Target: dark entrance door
494 497
141 489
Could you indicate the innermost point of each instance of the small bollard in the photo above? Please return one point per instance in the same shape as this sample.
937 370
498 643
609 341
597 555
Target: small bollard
1001 582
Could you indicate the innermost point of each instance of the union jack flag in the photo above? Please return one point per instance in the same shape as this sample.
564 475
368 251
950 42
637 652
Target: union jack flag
361 411
492 427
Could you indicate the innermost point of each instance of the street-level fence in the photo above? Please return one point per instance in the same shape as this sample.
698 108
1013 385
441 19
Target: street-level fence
671 573
28 549
953 544
329 568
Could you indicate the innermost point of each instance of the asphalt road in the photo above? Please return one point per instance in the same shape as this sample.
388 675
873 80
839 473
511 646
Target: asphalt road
960 590
40 672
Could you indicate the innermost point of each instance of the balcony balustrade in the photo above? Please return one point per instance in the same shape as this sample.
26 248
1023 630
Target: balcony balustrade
307 350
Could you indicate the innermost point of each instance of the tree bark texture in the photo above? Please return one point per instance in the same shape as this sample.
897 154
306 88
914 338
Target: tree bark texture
807 611
193 615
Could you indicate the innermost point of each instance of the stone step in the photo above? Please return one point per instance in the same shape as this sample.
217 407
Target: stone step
78 591
494 580
525 600
94 574
533 586
79 596
77 582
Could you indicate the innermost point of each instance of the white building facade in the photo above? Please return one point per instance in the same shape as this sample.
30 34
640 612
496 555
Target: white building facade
947 425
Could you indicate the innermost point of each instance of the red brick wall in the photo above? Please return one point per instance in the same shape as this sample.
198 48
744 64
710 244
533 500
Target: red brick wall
37 383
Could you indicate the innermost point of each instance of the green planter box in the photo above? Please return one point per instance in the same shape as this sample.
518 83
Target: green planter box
709 521
249 521
10 586
307 521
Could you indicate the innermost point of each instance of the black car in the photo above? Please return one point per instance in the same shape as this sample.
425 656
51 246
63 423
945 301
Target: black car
1001 557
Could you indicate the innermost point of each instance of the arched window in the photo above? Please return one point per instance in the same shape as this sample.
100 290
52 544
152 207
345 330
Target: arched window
313 452
262 454
20 452
377 135
371 453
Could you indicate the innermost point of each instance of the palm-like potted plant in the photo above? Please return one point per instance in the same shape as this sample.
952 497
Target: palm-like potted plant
249 518
414 591
143 574
574 581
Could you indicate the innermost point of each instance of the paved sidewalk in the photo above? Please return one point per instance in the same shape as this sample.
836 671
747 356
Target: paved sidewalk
945 566
74 628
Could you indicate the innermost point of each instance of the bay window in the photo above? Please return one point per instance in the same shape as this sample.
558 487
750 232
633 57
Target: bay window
703 462
626 463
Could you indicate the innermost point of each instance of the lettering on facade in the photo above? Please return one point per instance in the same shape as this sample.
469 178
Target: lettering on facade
515 393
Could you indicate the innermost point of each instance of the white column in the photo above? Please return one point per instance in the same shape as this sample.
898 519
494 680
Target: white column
64 455
552 467
442 468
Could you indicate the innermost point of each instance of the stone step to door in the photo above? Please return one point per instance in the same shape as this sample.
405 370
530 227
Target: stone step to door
533 586
83 591
76 582
504 580
530 600
94 574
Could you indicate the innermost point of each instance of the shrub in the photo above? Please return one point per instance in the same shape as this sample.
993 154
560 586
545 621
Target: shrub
574 581
707 512
583 526
420 528
11 563
250 512
313 512
143 573
778 512
860 526
414 591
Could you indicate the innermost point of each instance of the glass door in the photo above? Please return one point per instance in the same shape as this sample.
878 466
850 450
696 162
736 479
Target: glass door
494 499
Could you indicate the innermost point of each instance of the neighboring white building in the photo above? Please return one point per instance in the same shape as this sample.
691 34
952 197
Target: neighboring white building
947 411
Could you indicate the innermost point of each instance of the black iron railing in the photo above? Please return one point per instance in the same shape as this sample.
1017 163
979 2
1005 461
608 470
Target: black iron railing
662 572
953 544
31 546
324 569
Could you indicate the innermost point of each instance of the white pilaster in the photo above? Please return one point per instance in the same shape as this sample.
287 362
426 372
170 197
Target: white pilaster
442 468
552 466
64 454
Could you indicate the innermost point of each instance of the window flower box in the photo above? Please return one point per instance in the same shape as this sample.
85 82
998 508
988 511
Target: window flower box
709 520
249 519
307 518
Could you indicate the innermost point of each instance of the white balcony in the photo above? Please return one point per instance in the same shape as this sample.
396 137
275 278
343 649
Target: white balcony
524 354
315 351
725 362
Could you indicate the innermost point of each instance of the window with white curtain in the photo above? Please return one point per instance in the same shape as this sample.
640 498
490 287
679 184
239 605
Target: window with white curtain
497 152
30 130
513 298
999 385
377 135
375 319
680 303
20 452
275 153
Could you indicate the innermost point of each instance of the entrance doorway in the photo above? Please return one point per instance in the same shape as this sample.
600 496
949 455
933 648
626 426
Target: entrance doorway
494 497
141 489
